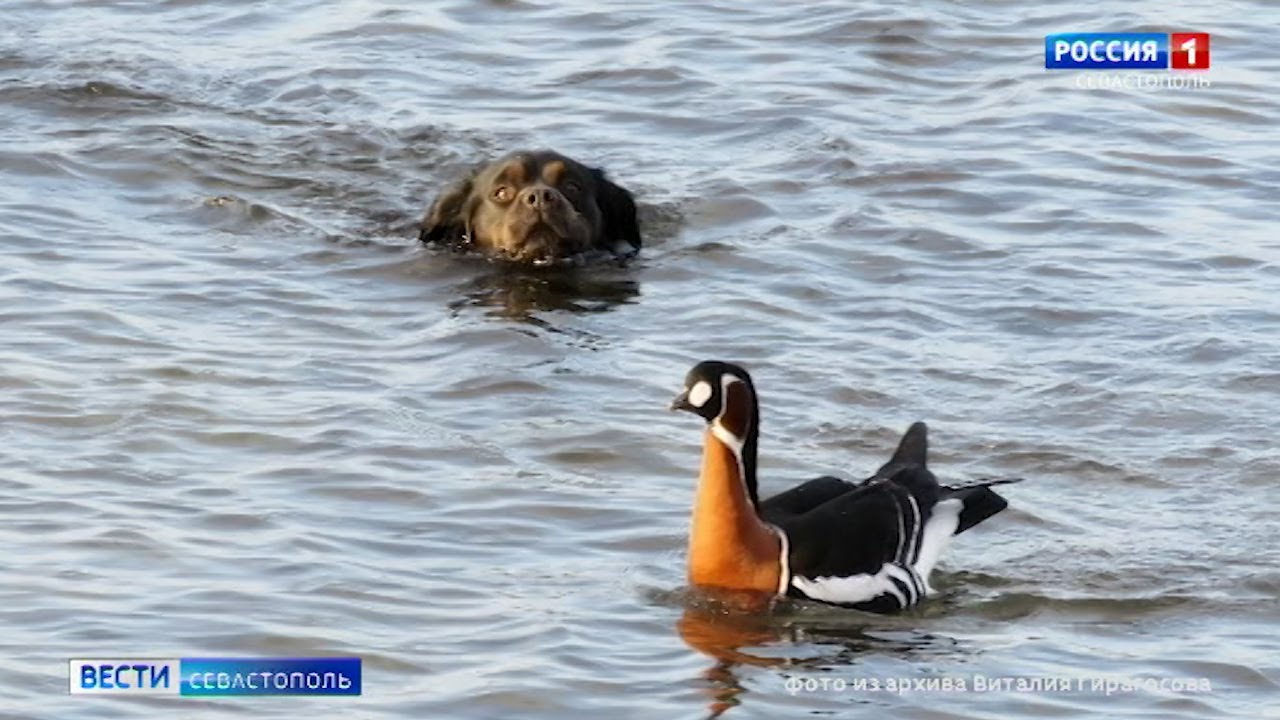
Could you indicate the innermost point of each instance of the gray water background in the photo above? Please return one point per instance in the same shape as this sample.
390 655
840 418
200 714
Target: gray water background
243 413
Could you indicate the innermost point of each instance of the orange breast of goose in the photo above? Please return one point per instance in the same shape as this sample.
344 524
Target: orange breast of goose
729 545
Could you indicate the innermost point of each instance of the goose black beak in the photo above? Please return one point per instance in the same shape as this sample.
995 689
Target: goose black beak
681 403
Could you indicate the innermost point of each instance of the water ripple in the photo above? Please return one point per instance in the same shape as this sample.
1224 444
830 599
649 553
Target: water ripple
244 413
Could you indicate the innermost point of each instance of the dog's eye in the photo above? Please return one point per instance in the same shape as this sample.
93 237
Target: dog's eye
572 187
502 193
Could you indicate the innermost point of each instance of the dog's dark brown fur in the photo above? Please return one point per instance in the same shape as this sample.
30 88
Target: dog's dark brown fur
534 207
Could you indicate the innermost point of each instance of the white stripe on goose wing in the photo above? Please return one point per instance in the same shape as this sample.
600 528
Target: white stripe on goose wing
852 589
937 534
905 576
915 528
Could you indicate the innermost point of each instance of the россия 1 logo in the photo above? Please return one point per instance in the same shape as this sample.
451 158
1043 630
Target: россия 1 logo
1126 51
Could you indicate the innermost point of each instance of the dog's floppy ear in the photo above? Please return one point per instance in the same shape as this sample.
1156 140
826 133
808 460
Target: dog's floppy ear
447 221
618 210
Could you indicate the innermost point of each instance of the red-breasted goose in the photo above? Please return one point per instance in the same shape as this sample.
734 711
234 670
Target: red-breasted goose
870 545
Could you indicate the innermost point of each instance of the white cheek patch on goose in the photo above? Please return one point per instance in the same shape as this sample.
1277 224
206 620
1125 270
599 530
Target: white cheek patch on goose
699 394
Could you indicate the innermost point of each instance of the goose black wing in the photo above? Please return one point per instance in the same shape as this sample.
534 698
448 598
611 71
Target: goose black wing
802 498
809 495
913 450
859 549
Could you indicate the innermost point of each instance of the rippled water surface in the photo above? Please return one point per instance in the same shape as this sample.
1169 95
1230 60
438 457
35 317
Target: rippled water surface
243 413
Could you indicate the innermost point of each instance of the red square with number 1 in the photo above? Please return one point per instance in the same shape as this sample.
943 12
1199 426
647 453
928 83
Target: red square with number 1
1189 51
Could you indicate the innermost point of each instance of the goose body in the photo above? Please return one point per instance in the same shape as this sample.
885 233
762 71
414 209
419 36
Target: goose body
870 545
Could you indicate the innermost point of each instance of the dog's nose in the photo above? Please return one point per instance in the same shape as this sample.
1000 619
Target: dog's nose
538 196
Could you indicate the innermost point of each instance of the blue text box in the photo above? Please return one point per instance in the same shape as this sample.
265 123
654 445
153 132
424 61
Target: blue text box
270 676
1106 51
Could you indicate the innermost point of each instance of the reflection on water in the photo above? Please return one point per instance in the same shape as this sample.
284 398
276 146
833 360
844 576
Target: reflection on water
742 629
516 292
225 349
724 635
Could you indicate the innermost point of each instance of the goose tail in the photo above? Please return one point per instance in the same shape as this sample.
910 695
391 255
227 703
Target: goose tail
977 500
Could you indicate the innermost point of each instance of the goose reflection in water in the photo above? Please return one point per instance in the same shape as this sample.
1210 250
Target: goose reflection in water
781 636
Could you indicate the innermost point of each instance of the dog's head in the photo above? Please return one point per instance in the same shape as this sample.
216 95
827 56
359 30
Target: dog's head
533 207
